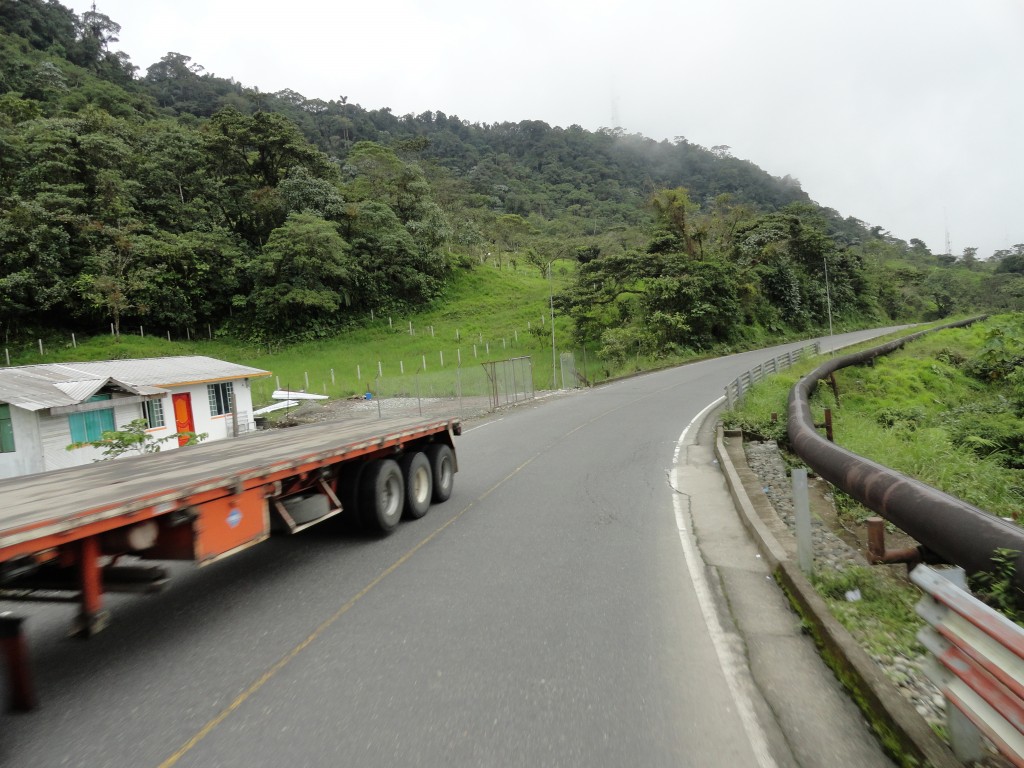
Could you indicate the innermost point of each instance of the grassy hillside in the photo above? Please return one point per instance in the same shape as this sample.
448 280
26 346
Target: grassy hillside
945 409
486 314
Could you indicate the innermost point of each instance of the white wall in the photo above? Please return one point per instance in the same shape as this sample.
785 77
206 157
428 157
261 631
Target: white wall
27 457
53 433
216 427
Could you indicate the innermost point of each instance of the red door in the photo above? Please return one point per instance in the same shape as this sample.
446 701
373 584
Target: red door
183 421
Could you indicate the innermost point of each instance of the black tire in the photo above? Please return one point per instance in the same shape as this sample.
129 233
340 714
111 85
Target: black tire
381 495
419 484
442 465
348 494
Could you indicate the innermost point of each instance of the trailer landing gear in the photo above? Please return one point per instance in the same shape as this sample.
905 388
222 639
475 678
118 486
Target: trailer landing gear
12 641
91 618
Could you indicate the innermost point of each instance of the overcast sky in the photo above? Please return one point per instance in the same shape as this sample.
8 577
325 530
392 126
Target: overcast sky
905 114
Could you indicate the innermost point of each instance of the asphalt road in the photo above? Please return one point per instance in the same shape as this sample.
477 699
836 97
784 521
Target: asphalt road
546 615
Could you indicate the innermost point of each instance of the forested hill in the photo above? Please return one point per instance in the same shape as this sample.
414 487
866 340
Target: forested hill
178 198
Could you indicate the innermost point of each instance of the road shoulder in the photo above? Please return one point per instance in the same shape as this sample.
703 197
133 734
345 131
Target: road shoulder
894 720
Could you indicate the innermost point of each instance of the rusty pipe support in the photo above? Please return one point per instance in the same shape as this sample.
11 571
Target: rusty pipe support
879 555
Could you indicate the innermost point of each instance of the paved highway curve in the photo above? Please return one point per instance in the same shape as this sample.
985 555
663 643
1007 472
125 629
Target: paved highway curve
546 615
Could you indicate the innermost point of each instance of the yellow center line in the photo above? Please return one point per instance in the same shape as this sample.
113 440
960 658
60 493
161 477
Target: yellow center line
263 679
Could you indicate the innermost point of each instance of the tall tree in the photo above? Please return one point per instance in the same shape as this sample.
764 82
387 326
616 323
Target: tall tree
302 280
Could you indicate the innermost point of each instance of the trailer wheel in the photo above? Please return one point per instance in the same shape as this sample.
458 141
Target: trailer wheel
419 484
442 464
381 495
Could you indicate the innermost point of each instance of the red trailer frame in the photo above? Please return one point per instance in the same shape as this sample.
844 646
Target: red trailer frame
63 532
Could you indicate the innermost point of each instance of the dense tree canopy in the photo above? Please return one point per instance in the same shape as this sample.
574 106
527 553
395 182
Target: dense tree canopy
179 198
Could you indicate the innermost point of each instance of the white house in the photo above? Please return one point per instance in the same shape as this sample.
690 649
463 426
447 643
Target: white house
45 408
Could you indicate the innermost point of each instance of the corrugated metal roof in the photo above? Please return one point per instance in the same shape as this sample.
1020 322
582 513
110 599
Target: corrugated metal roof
80 390
31 392
34 387
168 371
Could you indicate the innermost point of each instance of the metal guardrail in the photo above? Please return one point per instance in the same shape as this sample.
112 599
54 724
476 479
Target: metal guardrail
735 390
978 665
950 529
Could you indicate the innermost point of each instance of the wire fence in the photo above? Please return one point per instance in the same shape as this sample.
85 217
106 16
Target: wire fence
464 392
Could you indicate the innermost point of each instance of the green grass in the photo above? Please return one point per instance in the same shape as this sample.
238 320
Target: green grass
503 314
883 620
914 411
917 411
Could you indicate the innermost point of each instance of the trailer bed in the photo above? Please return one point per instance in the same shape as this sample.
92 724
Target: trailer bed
60 502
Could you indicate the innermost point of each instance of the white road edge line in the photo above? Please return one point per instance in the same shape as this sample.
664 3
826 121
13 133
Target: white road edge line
730 661
481 426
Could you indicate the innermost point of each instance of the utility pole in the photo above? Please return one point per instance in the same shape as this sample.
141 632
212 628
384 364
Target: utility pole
551 299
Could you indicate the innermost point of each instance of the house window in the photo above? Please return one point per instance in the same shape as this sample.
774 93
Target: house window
6 430
222 398
89 426
153 413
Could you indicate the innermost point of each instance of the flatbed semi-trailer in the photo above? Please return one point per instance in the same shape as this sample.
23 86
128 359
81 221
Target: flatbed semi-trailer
64 534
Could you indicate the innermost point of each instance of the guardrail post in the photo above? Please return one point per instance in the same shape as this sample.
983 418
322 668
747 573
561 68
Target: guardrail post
802 510
964 738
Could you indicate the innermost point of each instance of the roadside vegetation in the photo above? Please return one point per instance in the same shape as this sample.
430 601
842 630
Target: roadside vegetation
167 198
946 409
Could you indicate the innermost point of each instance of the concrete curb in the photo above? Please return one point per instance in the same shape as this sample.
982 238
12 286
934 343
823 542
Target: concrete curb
902 731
